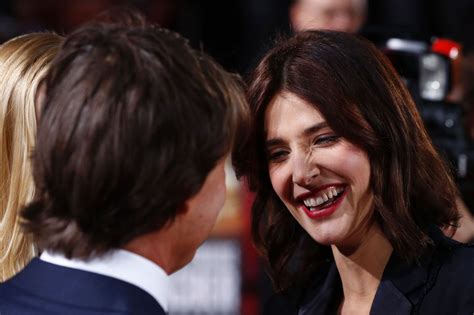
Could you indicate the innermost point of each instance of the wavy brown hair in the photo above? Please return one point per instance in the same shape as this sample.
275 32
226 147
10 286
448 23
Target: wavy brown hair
24 61
359 93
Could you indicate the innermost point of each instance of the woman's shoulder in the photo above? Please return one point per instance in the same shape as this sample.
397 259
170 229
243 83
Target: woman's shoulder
452 286
454 256
457 262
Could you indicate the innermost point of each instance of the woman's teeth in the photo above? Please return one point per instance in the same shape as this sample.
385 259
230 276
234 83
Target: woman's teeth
328 195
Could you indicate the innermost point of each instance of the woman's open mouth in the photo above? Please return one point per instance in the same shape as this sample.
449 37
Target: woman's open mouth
324 202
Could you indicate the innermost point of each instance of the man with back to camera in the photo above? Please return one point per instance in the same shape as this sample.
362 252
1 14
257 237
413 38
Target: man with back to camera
129 168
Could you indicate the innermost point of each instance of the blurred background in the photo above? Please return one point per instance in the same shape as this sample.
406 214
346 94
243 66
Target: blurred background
430 43
236 32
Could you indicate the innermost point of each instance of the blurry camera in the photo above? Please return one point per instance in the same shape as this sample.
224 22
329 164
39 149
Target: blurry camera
430 70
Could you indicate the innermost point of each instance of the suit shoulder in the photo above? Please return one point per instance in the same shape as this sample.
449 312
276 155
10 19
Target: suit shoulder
457 264
453 281
457 255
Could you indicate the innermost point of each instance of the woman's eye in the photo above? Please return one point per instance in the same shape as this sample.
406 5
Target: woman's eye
276 156
326 139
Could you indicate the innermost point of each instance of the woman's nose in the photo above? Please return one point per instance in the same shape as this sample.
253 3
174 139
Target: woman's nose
305 171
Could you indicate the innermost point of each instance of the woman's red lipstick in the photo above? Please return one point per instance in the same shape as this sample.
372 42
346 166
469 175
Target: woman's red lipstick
326 212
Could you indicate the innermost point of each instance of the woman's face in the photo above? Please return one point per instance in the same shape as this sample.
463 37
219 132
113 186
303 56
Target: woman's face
321 177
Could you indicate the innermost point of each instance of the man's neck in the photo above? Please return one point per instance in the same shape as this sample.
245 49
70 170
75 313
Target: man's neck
145 247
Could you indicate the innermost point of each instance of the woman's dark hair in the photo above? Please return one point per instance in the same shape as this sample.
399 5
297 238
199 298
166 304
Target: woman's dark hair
363 100
133 121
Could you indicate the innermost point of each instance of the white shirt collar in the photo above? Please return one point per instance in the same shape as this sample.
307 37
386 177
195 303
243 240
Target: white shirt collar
123 265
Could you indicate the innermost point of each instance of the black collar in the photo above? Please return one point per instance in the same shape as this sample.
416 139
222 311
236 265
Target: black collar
401 288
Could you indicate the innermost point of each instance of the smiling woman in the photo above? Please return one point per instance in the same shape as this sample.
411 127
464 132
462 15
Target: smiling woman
321 178
350 193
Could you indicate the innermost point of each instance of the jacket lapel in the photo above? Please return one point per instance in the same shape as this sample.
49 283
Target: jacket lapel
390 300
403 285
401 289
324 295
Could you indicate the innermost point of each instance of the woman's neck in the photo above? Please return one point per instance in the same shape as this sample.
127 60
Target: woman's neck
361 267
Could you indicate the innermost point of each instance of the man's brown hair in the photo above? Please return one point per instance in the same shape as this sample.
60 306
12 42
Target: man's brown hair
133 121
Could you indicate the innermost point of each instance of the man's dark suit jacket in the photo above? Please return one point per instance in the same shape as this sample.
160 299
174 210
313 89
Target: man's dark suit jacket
443 283
45 288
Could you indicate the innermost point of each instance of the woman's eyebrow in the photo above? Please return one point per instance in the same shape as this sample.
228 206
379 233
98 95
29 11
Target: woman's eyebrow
273 142
306 132
315 128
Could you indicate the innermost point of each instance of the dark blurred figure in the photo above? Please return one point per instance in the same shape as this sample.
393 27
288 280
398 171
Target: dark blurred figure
420 19
467 84
426 41
466 233
338 15
64 16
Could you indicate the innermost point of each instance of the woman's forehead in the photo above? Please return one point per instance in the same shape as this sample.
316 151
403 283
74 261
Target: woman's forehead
288 114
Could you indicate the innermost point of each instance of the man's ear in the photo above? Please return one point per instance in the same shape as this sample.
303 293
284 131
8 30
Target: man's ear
183 209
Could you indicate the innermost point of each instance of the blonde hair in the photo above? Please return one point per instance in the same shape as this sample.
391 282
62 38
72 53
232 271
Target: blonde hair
23 63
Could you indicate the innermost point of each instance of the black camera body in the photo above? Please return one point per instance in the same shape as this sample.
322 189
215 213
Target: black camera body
429 70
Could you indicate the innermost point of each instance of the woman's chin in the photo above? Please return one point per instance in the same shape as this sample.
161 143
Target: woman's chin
327 240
